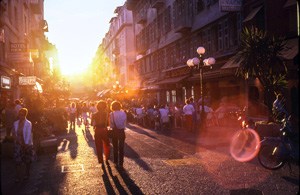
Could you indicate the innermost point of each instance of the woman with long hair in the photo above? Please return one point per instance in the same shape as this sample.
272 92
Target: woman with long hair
100 123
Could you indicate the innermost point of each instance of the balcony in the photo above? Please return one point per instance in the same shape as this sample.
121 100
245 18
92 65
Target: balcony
130 4
183 25
35 6
157 4
141 19
116 51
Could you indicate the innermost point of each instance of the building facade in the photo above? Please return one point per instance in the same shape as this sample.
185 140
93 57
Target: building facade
168 32
118 48
22 42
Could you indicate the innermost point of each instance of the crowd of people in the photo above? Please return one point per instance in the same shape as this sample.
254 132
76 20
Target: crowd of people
108 118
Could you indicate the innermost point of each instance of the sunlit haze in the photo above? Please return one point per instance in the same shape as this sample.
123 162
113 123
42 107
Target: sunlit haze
77 28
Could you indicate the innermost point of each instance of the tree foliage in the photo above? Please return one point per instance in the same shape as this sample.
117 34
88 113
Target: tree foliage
259 56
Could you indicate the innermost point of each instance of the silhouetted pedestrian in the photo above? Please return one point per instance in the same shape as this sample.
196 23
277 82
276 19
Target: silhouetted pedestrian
100 123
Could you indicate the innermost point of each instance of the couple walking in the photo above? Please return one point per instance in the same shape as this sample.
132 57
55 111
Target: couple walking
117 121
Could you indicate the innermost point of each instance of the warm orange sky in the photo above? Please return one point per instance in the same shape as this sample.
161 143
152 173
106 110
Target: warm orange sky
77 27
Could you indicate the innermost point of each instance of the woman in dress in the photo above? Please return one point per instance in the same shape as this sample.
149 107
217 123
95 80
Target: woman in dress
118 120
100 123
23 148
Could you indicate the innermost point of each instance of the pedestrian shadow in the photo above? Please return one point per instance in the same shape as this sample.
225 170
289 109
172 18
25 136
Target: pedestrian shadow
291 180
124 179
89 138
105 178
140 130
69 141
130 153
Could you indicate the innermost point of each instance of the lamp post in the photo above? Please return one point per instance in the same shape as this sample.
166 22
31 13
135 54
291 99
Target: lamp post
199 63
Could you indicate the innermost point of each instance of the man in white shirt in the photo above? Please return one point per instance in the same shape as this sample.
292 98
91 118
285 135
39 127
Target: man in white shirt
164 117
188 110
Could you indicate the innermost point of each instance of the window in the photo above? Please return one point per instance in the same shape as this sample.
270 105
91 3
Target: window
200 6
168 96
173 92
167 20
184 93
220 37
16 18
192 92
239 26
226 34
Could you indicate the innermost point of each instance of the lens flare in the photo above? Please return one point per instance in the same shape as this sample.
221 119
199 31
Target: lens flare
245 145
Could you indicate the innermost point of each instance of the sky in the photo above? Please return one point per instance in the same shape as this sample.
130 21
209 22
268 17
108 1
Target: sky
77 28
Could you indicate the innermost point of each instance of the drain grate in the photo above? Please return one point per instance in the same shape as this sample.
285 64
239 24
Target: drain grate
72 168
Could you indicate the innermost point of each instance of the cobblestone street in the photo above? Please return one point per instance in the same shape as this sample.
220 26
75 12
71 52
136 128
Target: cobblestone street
174 162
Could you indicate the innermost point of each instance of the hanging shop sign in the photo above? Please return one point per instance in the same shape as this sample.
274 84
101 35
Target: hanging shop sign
230 5
5 82
30 80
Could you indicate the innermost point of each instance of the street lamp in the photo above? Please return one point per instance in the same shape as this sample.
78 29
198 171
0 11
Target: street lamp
199 63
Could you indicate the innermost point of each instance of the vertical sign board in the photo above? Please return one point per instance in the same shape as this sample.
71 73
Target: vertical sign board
5 82
30 80
230 5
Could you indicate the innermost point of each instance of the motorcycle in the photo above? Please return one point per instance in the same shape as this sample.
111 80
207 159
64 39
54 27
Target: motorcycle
275 152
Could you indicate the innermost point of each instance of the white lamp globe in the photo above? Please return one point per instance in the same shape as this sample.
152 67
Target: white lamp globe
196 61
190 63
211 61
201 50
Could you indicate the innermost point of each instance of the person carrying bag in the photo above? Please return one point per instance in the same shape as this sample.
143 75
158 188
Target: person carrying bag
118 120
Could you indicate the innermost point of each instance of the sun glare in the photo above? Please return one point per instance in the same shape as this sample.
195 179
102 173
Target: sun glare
72 70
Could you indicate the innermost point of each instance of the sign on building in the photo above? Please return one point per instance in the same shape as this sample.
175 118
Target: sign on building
5 82
18 47
30 80
230 5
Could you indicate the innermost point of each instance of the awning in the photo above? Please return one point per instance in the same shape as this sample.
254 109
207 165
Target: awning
289 3
172 80
230 64
291 49
252 14
99 93
103 92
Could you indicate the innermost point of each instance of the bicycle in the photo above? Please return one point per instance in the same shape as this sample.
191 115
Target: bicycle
245 143
275 152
